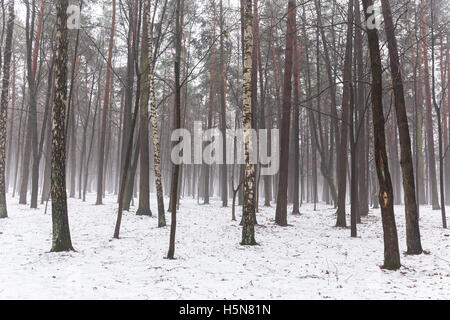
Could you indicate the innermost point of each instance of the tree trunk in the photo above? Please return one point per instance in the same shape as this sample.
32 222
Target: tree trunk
101 147
155 134
248 213
61 231
176 168
391 251
406 162
223 117
4 107
439 121
363 186
429 117
11 128
342 151
144 176
211 99
281 210
296 129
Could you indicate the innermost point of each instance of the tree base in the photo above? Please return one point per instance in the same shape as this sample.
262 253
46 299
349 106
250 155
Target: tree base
162 224
62 248
249 243
144 212
391 265
414 252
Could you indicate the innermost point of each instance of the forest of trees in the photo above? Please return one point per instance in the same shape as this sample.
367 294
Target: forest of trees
358 90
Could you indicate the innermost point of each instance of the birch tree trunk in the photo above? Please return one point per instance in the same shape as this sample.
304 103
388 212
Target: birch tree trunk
248 212
155 134
61 232
4 107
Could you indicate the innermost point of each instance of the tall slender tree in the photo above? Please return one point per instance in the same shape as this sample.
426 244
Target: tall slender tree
406 162
4 106
281 210
346 96
429 115
385 196
177 122
101 147
154 123
144 177
223 109
60 219
211 98
248 212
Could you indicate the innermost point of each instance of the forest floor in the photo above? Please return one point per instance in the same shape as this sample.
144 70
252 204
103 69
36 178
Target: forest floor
308 260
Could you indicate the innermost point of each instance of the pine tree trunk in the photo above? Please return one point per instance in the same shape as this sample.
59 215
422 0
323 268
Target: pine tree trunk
101 147
144 176
211 100
421 190
429 117
391 251
73 129
412 218
342 151
362 112
176 168
281 210
437 109
32 132
223 112
445 117
296 129
11 128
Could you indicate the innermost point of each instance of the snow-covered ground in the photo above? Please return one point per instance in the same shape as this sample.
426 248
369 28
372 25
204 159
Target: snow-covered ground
308 260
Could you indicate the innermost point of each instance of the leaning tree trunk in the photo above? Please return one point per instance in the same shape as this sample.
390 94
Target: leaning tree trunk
61 231
391 251
155 134
4 107
406 162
